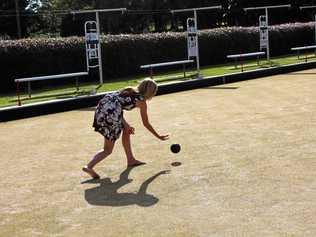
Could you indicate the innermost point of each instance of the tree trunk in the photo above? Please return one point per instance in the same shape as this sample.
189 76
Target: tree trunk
18 21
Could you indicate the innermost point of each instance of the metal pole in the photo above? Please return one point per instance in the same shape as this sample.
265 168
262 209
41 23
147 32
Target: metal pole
258 60
307 7
267 20
87 56
96 11
268 46
315 28
197 45
18 92
29 88
195 19
264 7
18 22
196 9
99 47
99 10
315 34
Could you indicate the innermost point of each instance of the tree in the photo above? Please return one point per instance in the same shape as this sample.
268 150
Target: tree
55 17
8 18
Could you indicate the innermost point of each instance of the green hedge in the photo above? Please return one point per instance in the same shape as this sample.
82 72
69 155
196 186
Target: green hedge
123 54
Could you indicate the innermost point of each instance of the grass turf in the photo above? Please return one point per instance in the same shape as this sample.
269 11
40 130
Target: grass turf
69 91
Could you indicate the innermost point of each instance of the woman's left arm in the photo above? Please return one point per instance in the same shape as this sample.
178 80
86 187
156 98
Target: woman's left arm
143 112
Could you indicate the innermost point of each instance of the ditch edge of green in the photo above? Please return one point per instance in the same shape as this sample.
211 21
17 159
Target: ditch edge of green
85 101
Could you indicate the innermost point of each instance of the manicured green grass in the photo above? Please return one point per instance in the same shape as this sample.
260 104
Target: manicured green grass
69 91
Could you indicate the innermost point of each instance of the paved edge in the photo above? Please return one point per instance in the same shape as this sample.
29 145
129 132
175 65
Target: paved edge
43 108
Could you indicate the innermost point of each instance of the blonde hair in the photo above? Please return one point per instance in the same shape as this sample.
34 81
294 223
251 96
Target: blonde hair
147 88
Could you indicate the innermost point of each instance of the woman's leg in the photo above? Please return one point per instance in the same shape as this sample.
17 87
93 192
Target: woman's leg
126 141
107 150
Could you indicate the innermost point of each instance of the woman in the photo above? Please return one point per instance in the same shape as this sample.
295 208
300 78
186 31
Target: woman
109 121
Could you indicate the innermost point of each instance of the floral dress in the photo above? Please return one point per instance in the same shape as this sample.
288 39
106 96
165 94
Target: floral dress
108 117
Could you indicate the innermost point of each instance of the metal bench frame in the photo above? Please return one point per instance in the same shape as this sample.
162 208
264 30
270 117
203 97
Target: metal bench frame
245 55
51 77
298 49
151 66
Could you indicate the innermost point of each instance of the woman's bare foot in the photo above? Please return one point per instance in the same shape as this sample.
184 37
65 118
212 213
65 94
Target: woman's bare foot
91 172
135 162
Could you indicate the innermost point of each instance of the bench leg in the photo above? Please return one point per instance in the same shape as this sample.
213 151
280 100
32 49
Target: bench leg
18 92
258 63
151 73
242 66
183 70
29 88
77 84
235 63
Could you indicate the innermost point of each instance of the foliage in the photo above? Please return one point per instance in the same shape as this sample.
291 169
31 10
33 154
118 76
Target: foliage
52 16
124 54
8 23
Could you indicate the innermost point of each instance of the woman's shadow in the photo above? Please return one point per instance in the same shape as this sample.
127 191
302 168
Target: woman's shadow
107 193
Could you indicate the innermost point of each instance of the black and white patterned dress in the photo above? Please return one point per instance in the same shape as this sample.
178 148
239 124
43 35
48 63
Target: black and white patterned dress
108 117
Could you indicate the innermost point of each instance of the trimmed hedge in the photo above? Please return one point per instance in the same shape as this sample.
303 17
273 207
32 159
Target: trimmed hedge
123 54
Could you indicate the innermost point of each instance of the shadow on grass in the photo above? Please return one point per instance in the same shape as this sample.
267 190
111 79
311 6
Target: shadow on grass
255 66
175 78
65 95
271 64
106 194
303 58
245 66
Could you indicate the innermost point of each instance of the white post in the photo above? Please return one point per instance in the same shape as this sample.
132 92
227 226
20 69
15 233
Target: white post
268 46
197 46
195 18
86 43
99 47
96 11
315 28
267 20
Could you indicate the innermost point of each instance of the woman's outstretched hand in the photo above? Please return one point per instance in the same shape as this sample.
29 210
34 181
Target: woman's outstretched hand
163 137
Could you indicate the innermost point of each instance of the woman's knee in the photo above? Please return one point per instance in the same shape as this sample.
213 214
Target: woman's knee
107 150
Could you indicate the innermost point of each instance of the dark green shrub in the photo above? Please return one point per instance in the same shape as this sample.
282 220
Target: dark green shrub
124 54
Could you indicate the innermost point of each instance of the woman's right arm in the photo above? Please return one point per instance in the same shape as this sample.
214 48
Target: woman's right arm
143 112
